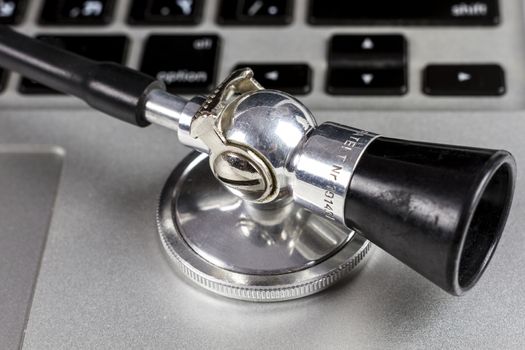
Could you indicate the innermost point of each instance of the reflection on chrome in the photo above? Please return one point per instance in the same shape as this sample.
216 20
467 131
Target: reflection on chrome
247 237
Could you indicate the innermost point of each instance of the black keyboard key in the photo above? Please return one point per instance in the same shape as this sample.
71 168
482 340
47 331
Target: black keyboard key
368 50
96 47
185 63
77 12
255 12
291 78
464 80
3 79
367 65
165 12
12 11
405 12
362 81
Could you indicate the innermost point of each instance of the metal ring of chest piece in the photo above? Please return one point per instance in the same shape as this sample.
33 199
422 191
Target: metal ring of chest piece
245 251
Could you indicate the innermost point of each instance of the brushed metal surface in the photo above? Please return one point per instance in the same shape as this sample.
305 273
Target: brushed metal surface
29 177
104 282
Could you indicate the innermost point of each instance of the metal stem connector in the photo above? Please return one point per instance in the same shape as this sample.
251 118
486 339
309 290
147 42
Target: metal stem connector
175 113
325 167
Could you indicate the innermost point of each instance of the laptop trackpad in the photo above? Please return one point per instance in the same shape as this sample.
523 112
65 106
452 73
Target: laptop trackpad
29 177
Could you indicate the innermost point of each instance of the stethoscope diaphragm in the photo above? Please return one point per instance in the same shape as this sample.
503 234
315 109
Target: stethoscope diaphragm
234 249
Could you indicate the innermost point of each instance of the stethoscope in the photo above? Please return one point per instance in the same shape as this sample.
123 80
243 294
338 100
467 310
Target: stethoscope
291 207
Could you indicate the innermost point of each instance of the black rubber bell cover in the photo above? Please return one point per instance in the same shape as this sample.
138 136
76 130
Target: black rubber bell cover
439 209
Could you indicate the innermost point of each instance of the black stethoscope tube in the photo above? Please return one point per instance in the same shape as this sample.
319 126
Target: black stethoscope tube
108 87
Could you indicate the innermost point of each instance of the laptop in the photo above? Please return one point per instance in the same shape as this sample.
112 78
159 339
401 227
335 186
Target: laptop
81 265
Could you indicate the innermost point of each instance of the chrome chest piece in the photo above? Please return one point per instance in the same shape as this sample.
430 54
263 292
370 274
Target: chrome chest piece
238 166
235 230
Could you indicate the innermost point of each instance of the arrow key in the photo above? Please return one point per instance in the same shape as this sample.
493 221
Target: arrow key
292 78
464 80
366 81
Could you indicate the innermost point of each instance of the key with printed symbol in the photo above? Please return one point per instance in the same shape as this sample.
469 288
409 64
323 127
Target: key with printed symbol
404 12
165 12
193 72
464 80
77 12
12 11
367 65
368 50
289 77
363 81
255 12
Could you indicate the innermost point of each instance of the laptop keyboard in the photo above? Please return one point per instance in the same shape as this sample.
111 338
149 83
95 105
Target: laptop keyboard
367 44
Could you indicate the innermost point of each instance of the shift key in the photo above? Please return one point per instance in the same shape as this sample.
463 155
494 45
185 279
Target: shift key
404 12
185 63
